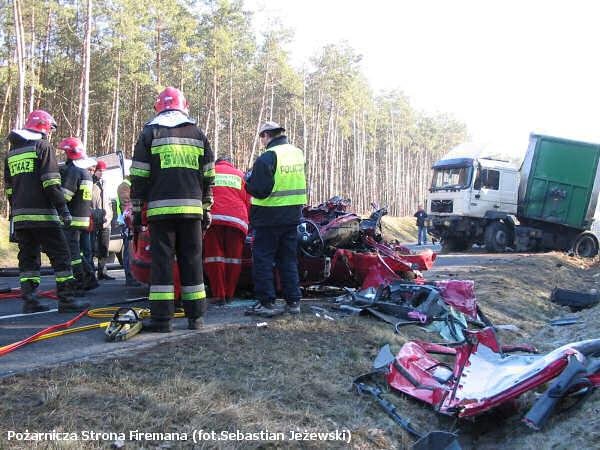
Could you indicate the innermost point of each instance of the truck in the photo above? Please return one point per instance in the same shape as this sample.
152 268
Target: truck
550 202
117 167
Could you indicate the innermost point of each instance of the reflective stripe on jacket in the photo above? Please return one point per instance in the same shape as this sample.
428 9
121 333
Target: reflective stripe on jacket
231 199
77 189
32 182
173 171
290 180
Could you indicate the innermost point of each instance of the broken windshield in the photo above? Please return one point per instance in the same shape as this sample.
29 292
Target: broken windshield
451 178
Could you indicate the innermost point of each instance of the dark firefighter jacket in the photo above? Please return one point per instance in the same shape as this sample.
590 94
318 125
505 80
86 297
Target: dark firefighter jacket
173 170
260 185
77 188
32 182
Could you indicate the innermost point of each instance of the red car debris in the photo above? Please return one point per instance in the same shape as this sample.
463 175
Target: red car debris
336 248
485 374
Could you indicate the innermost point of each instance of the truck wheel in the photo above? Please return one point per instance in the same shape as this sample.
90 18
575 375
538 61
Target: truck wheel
585 245
496 237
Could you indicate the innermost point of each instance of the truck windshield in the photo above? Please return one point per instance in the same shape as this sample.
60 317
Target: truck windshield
451 178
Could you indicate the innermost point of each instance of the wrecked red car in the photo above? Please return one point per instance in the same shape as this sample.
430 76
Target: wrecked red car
483 374
335 248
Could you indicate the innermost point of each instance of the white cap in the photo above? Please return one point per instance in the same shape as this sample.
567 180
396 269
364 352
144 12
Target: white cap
270 126
84 163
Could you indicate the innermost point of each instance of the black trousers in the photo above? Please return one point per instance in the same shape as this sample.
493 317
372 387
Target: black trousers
53 242
79 264
275 246
181 238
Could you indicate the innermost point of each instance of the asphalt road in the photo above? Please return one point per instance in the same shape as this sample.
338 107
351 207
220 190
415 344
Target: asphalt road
15 326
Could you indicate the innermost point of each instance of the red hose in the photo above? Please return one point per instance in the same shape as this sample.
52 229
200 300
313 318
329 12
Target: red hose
15 345
16 293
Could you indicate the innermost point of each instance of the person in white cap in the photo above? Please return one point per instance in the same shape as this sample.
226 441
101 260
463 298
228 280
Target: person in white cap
278 188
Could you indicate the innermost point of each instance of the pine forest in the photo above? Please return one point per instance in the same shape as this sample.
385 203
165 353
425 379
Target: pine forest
97 65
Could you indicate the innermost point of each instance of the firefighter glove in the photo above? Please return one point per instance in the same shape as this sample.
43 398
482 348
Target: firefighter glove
206 220
65 216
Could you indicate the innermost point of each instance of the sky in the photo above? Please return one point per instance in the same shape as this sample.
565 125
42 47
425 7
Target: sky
505 68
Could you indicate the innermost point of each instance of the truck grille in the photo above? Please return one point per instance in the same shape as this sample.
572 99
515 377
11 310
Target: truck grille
441 206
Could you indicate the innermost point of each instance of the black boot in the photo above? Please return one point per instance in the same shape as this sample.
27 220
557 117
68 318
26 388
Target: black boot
77 284
90 282
195 324
103 275
30 302
78 289
161 313
157 325
66 302
194 310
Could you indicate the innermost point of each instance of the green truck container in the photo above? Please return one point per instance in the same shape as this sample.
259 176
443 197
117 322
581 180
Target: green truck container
559 182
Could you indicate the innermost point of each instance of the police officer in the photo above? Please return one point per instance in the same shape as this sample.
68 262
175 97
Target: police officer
77 189
278 188
173 171
38 206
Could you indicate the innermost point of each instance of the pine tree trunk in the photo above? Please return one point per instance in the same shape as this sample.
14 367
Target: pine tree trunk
32 62
215 146
231 109
158 52
85 107
260 115
20 59
117 105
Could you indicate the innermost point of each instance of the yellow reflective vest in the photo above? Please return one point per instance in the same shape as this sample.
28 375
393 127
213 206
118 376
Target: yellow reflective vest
290 180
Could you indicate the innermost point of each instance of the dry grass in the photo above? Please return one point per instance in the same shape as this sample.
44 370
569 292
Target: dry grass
296 374
402 229
8 250
293 375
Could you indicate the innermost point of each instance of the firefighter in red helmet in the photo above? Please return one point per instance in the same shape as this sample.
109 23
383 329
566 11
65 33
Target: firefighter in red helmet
173 173
77 189
39 211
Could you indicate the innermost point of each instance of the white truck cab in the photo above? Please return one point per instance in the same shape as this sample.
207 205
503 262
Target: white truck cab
465 193
473 187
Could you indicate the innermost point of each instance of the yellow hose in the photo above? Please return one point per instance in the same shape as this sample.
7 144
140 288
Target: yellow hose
109 312
97 313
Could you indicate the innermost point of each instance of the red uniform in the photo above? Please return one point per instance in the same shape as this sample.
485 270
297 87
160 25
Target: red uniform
224 240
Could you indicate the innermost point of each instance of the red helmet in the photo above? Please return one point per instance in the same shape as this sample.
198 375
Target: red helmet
171 98
73 147
101 165
40 121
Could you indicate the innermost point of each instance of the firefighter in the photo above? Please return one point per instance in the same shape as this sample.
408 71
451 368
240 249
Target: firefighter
38 207
77 189
173 171
278 188
224 241
102 218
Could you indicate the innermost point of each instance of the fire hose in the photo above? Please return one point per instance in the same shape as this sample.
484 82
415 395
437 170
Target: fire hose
120 317
16 293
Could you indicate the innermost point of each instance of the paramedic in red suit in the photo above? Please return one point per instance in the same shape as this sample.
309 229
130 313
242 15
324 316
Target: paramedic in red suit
224 240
